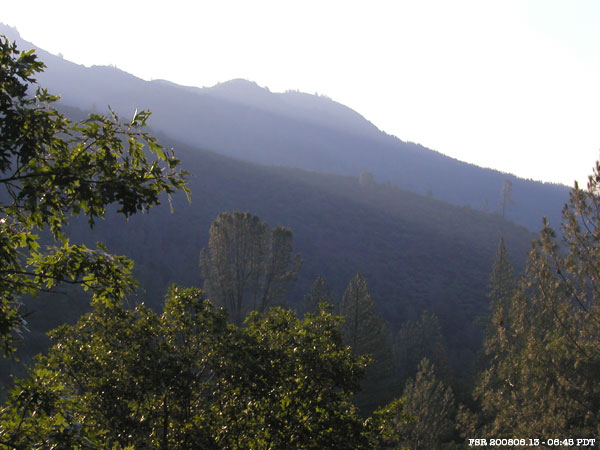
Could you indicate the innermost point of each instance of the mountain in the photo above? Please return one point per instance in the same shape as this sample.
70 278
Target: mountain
240 119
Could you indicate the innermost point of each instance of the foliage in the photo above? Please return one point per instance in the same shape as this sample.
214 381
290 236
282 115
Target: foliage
434 258
501 289
367 334
308 377
318 294
52 168
418 340
390 422
502 281
433 407
247 266
187 379
545 351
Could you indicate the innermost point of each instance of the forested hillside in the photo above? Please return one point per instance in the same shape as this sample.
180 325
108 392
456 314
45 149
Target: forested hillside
417 253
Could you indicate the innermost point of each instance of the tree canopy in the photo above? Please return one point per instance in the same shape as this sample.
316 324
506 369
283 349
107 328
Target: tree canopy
188 379
318 294
543 344
52 168
247 266
367 334
431 404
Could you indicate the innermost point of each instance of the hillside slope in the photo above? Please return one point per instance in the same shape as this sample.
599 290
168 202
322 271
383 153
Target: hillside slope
417 253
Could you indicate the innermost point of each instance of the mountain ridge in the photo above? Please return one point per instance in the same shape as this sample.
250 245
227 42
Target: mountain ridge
245 121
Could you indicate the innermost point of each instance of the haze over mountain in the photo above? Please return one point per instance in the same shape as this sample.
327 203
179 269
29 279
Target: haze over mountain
243 120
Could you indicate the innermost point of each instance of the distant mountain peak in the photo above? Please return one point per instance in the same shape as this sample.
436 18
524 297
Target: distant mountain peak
242 91
9 31
237 83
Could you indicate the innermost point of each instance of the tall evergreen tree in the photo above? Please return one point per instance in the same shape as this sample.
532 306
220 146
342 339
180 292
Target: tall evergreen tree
498 346
367 333
319 293
543 377
502 282
432 405
417 340
501 291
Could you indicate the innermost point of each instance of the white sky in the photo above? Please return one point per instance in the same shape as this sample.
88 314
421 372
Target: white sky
512 84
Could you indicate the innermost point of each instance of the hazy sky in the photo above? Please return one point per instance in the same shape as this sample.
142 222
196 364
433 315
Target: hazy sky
513 85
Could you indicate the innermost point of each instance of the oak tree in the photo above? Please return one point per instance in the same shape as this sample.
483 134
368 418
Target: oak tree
52 168
187 379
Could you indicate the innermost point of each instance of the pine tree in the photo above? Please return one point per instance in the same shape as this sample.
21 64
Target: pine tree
501 290
499 348
417 340
502 283
367 333
543 376
319 293
432 405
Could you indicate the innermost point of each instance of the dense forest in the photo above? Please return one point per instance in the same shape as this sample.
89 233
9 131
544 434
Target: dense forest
367 316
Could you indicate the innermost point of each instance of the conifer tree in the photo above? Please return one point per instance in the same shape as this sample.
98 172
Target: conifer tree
499 348
319 293
367 333
501 290
502 283
545 348
417 340
432 406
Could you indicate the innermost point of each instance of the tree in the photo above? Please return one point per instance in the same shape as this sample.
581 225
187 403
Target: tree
390 423
418 340
187 379
366 179
306 380
543 374
502 282
433 407
52 168
501 290
506 200
319 293
367 334
247 266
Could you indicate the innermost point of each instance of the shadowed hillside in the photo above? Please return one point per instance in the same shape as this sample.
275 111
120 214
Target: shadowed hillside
417 253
